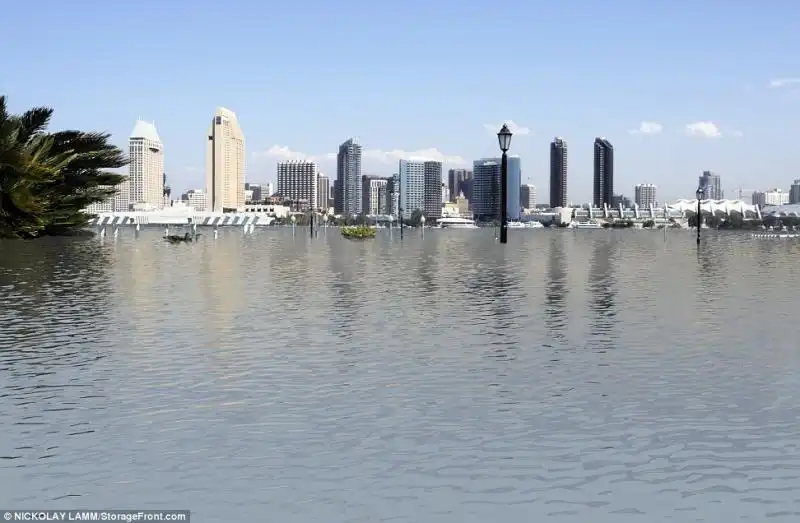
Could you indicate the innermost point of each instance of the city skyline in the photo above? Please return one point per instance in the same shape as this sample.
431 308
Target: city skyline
670 112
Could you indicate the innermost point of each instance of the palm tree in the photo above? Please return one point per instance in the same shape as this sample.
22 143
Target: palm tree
46 180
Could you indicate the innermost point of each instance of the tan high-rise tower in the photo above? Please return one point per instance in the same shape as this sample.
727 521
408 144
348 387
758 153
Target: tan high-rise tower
225 163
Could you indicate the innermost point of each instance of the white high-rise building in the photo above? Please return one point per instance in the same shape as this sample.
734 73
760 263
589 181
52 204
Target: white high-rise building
146 168
297 182
645 195
225 163
196 199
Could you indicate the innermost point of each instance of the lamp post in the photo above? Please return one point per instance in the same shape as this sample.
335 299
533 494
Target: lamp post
391 219
422 222
699 219
311 224
325 222
504 138
294 221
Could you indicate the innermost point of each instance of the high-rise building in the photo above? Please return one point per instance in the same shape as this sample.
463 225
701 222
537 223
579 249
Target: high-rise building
485 201
348 177
372 189
711 183
455 182
794 192
393 195
297 182
603 173
645 194
432 206
269 189
412 187
146 167
225 163
527 196
323 192
558 173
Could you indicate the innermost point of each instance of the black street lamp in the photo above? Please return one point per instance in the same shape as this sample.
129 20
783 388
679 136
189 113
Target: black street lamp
699 220
504 137
311 223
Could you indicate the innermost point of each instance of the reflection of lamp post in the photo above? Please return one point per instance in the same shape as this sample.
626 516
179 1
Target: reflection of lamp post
391 219
699 219
294 221
311 224
422 222
504 138
325 221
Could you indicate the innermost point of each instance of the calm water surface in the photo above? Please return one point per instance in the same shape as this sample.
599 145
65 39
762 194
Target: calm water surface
599 376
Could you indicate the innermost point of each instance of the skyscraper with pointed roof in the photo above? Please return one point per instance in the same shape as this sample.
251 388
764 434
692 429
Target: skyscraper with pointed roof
145 184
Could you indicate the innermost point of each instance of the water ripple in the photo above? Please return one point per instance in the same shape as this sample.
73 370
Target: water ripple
577 375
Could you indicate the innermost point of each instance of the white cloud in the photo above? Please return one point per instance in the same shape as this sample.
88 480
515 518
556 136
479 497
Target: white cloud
512 126
646 127
373 159
784 82
282 153
703 129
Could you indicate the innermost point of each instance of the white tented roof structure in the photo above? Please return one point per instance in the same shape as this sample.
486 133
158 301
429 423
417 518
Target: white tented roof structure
792 209
714 206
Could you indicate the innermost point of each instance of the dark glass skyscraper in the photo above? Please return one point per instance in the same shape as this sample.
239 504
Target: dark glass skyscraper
603 173
558 173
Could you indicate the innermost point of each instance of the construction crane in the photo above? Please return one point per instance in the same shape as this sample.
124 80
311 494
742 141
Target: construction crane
743 191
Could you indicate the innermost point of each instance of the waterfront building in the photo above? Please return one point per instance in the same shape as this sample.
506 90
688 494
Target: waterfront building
711 184
558 173
106 205
794 192
432 205
485 200
196 199
770 197
297 182
146 167
373 195
323 192
256 192
603 173
456 179
393 195
225 163
645 194
527 196
348 178
411 186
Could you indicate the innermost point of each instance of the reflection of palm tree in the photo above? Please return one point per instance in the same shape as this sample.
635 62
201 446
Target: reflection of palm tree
53 281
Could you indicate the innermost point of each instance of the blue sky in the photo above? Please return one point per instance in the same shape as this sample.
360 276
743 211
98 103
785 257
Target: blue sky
424 78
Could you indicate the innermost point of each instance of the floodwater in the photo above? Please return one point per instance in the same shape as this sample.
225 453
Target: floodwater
599 376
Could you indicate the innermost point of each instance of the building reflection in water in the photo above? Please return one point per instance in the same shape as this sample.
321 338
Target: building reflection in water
347 262
556 288
602 296
428 266
500 298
